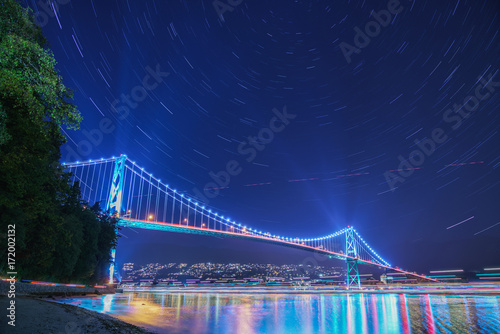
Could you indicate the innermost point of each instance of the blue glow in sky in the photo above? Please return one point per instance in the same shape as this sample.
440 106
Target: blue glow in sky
391 118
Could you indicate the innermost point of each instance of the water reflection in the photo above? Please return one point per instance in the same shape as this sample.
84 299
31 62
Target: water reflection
301 313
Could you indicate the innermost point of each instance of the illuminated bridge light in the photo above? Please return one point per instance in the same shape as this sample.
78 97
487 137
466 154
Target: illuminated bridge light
362 251
446 271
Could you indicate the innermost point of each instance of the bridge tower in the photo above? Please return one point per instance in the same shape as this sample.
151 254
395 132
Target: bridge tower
352 262
115 202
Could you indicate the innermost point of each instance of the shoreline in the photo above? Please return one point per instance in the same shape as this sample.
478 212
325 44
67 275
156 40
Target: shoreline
35 315
493 289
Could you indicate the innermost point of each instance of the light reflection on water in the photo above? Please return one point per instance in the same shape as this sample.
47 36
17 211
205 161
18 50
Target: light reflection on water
301 313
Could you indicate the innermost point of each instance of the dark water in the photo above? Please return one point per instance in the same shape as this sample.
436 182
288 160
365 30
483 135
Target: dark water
301 313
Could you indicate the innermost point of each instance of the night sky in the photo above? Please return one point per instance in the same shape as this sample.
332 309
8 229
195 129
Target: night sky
359 86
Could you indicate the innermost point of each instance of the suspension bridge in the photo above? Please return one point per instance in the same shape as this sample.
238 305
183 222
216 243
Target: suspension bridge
139 200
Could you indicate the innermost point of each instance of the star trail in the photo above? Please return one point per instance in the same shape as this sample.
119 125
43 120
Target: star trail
299 116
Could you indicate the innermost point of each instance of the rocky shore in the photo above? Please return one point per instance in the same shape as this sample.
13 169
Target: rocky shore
33 316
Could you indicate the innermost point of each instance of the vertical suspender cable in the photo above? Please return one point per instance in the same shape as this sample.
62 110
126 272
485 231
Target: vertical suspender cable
91 185
173 207
98 182
124 185
103 180
86 182
128 207
132 193
148 203
79 178
194 218
180 213
166 204
139 195
112 171
157 201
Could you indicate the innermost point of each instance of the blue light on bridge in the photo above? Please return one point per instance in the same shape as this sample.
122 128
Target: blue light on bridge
227 225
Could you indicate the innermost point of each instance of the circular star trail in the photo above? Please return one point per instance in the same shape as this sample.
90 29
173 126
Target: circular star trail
393 110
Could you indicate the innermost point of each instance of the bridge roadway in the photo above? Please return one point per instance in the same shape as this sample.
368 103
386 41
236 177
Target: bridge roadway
159 226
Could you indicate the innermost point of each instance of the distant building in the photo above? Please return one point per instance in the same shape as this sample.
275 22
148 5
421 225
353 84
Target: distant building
128 266
384 278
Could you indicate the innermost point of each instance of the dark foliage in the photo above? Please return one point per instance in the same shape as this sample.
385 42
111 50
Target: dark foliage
58 237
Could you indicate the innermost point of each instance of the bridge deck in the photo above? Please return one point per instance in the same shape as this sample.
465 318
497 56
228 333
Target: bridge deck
169 227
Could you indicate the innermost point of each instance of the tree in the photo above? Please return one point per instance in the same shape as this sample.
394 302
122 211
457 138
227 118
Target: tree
34 104
4 136
107 240
57 235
